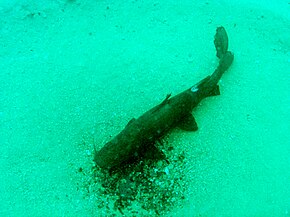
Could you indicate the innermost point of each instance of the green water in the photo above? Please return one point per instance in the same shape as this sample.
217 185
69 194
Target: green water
73 73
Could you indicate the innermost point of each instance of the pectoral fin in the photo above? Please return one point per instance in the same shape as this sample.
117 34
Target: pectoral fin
154 153
188 123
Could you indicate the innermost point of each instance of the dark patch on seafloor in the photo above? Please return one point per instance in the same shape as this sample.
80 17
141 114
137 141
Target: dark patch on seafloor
148 187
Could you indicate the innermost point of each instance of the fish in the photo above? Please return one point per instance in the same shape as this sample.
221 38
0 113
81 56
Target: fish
140 135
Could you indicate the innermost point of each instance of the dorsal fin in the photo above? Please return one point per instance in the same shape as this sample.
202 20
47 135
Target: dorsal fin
164 102
130 122
166 99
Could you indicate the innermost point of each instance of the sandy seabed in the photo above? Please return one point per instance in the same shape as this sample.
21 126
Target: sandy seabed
73 73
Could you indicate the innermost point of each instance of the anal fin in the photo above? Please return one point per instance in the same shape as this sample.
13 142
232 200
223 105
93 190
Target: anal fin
215 91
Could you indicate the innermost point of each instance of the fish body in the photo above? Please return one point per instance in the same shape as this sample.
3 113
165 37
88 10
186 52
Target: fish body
140 135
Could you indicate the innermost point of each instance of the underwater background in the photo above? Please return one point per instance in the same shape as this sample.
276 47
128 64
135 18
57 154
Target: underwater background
74 72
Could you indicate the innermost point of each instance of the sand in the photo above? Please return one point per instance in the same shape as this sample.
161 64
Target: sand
73 73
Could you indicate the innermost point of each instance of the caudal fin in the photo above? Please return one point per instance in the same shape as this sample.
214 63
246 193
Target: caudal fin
221 42
226 61
226 57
